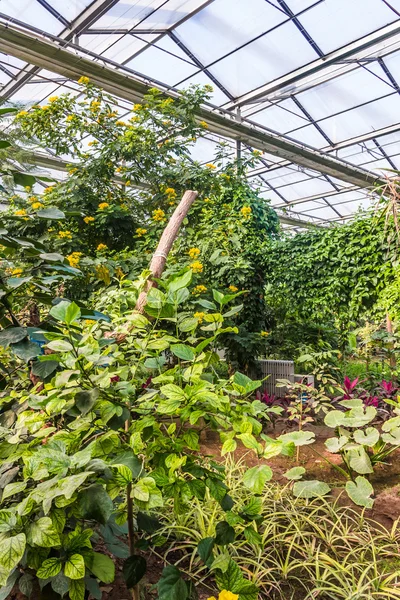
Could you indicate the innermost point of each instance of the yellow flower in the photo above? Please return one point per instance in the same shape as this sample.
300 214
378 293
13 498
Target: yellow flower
171 203
158 215
225 595
246 211
194 252
170 192
196 266
45 107
199 316
257 152
137 106
83 80
110 114
16 272
49 189
65 235
264 333
72 171
88 220
103 274
20 213
128 182
70 118
95 104
140 232
93 143
203 124
199 289
89 322
211 166
28 188
101 247
206 200
53 99
118 169
103 205
37 205
233 288
120 123
22 113
74 258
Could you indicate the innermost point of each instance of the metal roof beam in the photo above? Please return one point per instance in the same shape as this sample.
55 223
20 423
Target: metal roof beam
122 83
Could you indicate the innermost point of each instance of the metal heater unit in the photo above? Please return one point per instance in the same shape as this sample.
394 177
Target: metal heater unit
276 369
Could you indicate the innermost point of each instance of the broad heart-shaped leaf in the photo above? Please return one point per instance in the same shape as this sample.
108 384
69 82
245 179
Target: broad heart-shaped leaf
335 444
299 438
360 492
103 567
355 417
231 579
23 179
49 568
391 424
42 533
182 351
12 489
25 350
60 346
51 213
11 551
359 461
295 474
85 400
393 437
75 567
45 368
310 489
94 503
60 584
180 282
369 437
256 477
59 311
134 569
224 534
229 445
12 335
171 586
76 589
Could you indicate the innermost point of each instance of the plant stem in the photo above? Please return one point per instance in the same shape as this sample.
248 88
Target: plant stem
131 530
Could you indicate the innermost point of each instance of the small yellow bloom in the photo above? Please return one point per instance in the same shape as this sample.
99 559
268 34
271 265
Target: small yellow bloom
83 80
196 266
118 169
28 188
37 205
158 215
45 107
137 106
170 192
128 182
93 143
74 258
89 322
264 333
103 274
194 253
53 99
203 124
49 189
199 289
16 272
211 166
207 200
70 118
246 211
233 288
110 114
199 316
72 171
67 235
171 203
140 232
95 104
101 247
88 220
225 595
22 113
257 152
120 123
20 213
103 205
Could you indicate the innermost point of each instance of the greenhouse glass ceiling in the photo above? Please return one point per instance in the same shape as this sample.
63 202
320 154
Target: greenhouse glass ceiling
315 84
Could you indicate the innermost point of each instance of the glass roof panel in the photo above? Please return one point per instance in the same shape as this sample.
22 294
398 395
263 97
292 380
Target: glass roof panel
217 96
334 23
170 13
70 9
32 13
280 117
118 48
127 13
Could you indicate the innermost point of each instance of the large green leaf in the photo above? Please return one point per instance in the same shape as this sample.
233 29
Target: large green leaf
42 533
12 550
60 346
359 461
360 492
295 474
44 368
310 489
75 567
224 534
256 477
369 437
76 589
52 213
180 282
85 400
205 549
12 335
182 351
26 350
94 503
103 567
171 586
134 569
336 444
49 568
299 438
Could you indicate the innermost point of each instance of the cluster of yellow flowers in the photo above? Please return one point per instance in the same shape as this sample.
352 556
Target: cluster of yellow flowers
196 266
83 80
120 123
88 220
170 192
93 143
225 595
72 171
199 316
246 211
194 253
233 288
101 247
22 113
199 289
137 106
264 333
103 205
95 105
158 215
111 114
67 235
211 166
206 200
74 258
203 124
20 213
103 273
53 99
16 272
49 189
140 231
257 152
37 205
